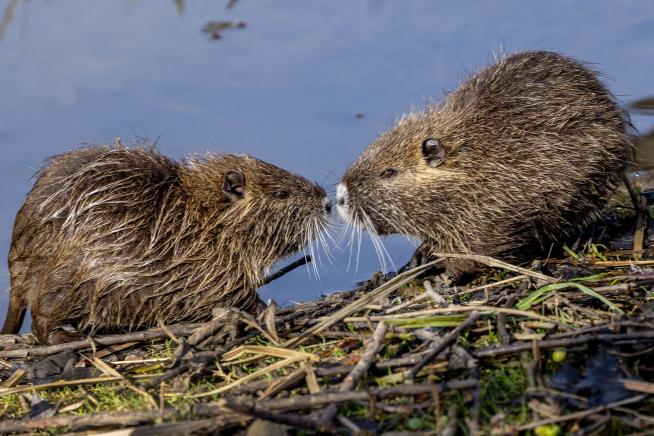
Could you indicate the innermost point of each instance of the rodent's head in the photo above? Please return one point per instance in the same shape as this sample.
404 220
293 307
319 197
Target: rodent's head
406 167
262 210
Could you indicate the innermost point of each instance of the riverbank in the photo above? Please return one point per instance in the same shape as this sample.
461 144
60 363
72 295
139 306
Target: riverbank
564 347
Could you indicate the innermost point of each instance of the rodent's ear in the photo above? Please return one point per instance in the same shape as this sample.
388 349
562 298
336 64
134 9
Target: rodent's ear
433 152
234 185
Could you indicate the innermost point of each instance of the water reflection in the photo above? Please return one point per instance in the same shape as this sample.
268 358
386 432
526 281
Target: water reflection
644 105
8 16
215 28
644 144
180 5
645 151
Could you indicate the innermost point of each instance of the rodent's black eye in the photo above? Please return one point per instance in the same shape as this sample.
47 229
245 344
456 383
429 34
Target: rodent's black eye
388 173
280 194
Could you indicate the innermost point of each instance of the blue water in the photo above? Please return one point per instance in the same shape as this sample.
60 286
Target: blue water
286 88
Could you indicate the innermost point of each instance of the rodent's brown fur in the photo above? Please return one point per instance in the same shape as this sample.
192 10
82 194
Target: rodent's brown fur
116 238
533 147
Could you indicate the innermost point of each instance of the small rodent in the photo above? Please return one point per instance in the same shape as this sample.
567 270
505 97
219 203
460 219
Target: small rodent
114 238
522 154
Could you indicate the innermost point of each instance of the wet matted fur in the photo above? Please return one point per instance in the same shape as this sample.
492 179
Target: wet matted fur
117 238
522 154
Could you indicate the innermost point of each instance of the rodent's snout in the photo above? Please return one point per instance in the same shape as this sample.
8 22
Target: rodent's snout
327 205
341 194
342 201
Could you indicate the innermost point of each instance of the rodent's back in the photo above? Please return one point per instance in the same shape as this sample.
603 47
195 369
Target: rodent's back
91 179
533 95
539 130
83 179
68 225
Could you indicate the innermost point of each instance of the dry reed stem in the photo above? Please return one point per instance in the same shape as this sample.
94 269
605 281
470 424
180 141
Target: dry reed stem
111 372
263 371
303 402
64 383
268 351
563 343
639 386
372 347
454 309
623 263
46 350
492 285
285 382
14 379
444 343
496 263
579 414
372 296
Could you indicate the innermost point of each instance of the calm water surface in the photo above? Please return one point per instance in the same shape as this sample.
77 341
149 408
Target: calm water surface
286 88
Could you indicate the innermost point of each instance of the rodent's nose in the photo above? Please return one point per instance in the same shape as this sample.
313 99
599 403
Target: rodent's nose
327 204
341 194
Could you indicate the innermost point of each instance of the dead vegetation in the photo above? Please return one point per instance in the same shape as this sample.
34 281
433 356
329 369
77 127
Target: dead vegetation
564 346
567 348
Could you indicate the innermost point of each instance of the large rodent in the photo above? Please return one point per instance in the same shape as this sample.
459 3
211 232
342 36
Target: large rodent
116 238
522 154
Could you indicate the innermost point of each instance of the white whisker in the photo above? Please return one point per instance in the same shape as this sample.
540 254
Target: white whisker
358 249
353 230
380 248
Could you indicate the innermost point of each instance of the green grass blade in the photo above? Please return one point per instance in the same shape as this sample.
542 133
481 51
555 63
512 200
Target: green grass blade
428 321
541 294
589 291
592 278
